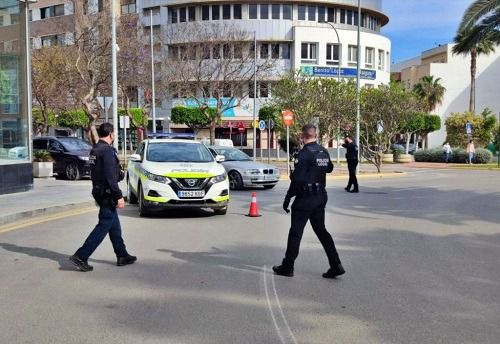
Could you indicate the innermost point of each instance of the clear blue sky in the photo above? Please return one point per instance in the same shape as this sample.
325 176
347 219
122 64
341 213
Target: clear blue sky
418 25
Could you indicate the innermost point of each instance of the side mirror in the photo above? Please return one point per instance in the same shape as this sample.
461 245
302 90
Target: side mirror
135 158
220 158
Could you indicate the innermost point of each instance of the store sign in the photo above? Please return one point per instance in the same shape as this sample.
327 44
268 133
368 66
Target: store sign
333 72
212 103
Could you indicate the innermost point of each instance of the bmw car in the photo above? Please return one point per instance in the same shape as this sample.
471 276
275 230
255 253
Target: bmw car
169 173
243 171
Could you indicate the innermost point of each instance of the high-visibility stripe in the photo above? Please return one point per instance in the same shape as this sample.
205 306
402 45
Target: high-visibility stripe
156 199
221 198
188 175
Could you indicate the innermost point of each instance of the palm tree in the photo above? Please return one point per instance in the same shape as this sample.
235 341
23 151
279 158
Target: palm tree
465 44
430 91
484 17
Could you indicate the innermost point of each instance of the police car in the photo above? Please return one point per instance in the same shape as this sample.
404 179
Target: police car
176 173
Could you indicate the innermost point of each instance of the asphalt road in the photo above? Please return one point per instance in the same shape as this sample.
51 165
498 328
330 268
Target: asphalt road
422 254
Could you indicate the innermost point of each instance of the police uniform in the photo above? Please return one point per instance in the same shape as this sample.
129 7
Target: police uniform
308 187
352 163
106 173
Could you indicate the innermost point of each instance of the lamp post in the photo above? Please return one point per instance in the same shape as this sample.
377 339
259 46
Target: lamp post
358 83
153 96
114 73
338 79
254 96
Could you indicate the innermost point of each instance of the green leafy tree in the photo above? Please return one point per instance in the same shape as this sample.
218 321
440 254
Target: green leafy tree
74 119
432 123
430 92
415 124
194 118
482 19
463 46
483 125
40 121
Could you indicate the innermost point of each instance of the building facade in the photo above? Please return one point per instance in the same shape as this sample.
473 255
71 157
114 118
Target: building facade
297 34
454 72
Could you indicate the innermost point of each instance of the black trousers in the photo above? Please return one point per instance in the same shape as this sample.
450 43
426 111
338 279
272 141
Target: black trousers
309 209
353 180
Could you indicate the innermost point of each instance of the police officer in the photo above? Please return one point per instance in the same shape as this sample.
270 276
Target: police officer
308 187
106 173
352 163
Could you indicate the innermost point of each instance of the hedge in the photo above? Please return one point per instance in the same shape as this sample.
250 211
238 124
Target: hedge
459 155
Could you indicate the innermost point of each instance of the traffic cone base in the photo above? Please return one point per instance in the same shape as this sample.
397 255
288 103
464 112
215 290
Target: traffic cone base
254 208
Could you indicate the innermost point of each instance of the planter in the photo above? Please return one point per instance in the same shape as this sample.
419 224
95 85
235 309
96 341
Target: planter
387 158
42 169
403 158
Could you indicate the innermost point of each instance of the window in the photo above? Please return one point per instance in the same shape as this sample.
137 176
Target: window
287 12
205 52
332 54
58 10
302 12
215 12
182 14
192 13
226 12
227 91
275 51
227 52
321 14
252 11
205 12
237 11
332 14
30 17
349 18
238 51
352 54
263 90
14 18
309 52
264 11
311 11
251 89
216 52
146 12
285 51
264 51
342 16
275 11
129 8
61 40
52 11
173 52
100 6
49 41
356 18
369 57
173 16
381 60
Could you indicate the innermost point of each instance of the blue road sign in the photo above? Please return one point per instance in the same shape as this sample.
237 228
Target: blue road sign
262 125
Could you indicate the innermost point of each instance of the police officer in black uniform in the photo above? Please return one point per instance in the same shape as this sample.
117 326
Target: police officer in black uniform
308 187
352 163
106 173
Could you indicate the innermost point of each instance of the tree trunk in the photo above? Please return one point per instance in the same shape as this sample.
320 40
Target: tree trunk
91 111
408 137
473 67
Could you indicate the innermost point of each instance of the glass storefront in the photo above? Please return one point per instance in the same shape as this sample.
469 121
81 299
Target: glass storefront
15 157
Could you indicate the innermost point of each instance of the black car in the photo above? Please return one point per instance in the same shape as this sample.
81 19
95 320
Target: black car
70 154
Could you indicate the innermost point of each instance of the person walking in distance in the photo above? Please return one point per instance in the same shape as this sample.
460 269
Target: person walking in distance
471 150
447 152
308 187
106 173
352 164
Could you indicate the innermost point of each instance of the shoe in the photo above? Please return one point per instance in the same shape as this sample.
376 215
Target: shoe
283 270
80 264
122 261
354 191
334 272
347 189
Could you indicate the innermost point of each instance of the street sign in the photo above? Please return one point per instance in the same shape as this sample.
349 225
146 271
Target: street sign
380 127
241 128
262 125
287 117
230 125
468 128
124 122
105 102
271 124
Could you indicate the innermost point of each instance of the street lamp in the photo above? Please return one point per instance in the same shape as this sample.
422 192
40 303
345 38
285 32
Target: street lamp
114 73
338 79
358 79
254 96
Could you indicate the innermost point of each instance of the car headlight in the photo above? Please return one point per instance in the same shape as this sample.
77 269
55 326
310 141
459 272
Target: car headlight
84 158
253 171
219 178
155 177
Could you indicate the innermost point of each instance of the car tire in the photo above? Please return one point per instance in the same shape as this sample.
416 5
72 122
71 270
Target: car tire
235 181
269 187
220 211
71 171
131 197
143 208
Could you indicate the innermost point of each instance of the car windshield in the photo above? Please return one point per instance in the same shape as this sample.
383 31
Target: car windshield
74 144
233 154
178 152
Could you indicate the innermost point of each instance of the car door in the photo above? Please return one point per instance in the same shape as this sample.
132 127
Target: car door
135 166
57 152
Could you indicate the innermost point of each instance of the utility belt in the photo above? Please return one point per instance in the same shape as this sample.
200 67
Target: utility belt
312 190
102 196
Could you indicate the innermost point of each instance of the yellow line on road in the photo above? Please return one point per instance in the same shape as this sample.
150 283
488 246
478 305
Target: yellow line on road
45 218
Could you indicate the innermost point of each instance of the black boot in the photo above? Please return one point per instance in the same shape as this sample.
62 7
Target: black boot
283 270
80 264
334 272
347 188
355 190
121 261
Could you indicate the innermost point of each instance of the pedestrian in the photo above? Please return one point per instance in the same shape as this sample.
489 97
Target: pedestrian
352 163
308 188
447 152
106 173
471 150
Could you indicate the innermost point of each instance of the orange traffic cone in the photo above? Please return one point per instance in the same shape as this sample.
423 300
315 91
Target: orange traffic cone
254 208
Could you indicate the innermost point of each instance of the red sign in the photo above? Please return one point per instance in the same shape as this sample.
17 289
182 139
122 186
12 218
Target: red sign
230 124
241 128
287 117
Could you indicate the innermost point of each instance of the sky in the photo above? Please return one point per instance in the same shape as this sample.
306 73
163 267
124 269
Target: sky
418 25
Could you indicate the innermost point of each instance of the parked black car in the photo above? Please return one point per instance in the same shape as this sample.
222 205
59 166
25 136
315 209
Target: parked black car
70 154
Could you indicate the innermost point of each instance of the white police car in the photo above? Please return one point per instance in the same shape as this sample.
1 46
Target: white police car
173 173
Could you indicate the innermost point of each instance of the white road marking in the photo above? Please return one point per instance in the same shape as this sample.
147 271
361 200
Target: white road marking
281 311
270 307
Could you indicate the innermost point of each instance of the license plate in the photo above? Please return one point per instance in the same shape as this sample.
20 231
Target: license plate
191 194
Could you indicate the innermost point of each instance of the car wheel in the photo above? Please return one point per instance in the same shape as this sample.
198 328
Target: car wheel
143 209
268 187
235 181
220 211
131 197
71 171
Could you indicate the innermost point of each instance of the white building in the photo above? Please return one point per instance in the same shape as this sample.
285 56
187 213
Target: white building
454 71
297 33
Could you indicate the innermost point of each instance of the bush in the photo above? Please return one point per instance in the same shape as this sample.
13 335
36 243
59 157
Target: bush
398 151
483 156
42 156
458 155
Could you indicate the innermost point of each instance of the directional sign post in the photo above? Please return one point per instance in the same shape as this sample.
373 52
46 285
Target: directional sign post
287 121
262 127
125 124
105 103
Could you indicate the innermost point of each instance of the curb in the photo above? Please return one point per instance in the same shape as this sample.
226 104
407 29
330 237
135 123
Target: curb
33 213
362 176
